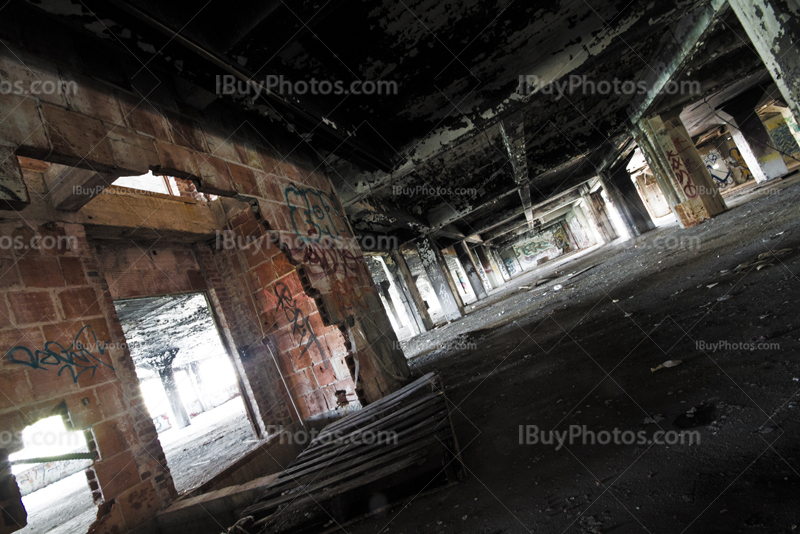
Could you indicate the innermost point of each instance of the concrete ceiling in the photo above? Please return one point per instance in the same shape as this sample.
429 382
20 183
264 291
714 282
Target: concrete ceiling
458 124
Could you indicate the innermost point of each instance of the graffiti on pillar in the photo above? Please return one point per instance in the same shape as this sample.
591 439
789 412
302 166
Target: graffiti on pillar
681 173
736 161
83 355
314 214
510 266
301 328
560 239
718 169
782 136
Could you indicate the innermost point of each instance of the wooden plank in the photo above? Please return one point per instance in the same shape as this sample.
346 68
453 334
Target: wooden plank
379 424
299 476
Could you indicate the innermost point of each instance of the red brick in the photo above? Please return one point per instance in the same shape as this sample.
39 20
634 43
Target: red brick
116 474
196 280
41 271
83 409
244 179
301 357
325 373
110 399
5 314
139 504
78 303
8 273
301 383
47 384
32 307
28 337
313 404
72 268
14 388
113 437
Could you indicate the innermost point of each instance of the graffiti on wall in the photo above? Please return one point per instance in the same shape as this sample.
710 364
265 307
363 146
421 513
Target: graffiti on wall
83 355
718 169
314 214
301 328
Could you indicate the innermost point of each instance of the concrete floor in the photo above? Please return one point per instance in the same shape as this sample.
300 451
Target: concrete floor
583 355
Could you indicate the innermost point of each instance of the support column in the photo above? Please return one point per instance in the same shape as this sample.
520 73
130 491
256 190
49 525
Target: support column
167 376
197 384
426 323
465 257
645 141
383 287
406 299
599 230
511 262
501 266
699 198
775 32
491 275
753 140
625 198
439 276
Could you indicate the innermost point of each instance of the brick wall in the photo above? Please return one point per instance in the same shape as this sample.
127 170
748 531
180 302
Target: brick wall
302 314
65 355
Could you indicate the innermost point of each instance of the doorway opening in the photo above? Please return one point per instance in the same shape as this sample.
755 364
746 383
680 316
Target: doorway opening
50 473
189 384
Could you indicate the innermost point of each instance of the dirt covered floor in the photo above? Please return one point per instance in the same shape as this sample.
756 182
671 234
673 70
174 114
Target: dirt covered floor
546 359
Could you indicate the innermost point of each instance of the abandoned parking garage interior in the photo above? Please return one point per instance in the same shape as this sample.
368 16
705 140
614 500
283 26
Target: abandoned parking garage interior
399 266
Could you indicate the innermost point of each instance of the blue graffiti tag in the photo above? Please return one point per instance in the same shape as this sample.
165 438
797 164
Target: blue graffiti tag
77 358
318 215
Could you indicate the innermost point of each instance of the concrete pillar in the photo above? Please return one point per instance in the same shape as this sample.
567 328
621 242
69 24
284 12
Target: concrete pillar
584 222
626 200
197 384
500 265
774 28
465 257
439 278
486 263
449 276
791 123
421 310
167 376
642 134
404 296
383 287
699 198
597 227
511 262
753 139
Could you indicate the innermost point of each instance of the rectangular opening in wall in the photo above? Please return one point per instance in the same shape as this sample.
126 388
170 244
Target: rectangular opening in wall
189 385
50 474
